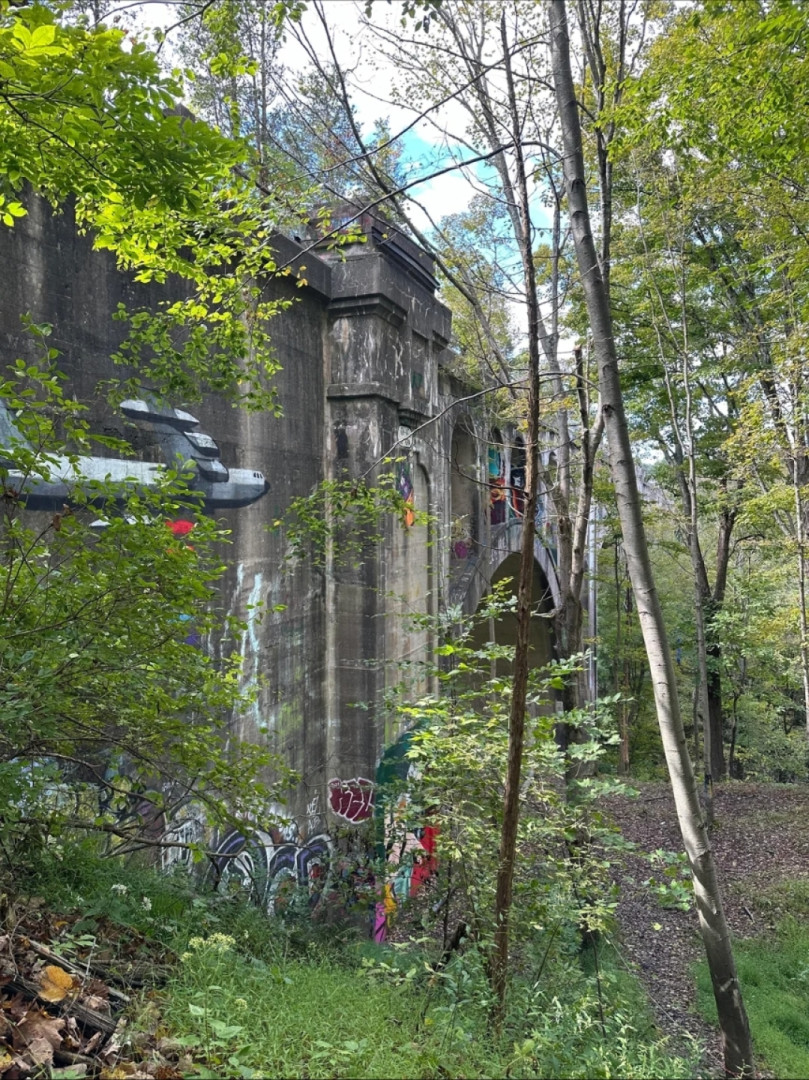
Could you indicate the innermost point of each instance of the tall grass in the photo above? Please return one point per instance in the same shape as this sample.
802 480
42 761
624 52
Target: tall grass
245 996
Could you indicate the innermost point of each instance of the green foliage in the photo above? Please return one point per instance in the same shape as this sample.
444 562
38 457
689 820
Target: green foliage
672 887
247 996
458 750
291 1018
344 517
108 716
709 292
773 972
88 118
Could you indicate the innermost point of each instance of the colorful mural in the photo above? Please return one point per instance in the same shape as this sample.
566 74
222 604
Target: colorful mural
177 435
497 486
403 842
300 864
517 477
272 869
404 485
352 800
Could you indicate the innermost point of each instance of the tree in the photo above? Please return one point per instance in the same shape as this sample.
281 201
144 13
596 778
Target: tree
672 322
746 64
715 935
301 140
488 59
88 117
98 675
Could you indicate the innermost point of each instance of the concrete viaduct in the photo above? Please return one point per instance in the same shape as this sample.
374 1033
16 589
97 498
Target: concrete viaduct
364 350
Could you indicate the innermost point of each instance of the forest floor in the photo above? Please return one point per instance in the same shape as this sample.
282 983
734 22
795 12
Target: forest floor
760 839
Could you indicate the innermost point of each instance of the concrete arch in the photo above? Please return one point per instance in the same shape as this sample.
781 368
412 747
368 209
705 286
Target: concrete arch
468 588
464 491
503 630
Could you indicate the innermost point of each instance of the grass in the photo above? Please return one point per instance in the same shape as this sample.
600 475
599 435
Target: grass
774 975
246 997
311 1018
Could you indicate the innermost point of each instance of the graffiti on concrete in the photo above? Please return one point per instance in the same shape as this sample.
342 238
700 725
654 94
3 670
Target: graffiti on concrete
404 842
497 486
185 832
404 485
180 441
248 601
272 870
517 477
297 865
352 800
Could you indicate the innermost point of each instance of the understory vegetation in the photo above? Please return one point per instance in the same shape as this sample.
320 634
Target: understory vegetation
227 992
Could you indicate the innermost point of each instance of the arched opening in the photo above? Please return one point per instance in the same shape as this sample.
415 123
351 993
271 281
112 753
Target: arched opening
497 478
503 630
464 498
517 477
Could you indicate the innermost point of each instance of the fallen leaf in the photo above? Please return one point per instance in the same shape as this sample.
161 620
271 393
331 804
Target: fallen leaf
19 1067
97 1003
40 1052
39 1026
93 1042
56 984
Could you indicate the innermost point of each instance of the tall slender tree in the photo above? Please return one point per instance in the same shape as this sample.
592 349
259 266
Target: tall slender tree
733 1021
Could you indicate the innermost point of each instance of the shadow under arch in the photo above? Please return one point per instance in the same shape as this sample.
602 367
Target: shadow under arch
468 587
504 628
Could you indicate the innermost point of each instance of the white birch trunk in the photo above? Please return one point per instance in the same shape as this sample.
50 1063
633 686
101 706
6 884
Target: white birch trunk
713 926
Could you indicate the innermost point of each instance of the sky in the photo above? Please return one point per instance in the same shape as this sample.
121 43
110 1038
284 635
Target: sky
372 77
373 74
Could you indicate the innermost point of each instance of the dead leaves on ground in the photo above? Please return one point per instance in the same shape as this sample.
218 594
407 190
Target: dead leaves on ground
55 984
760 838
60 1018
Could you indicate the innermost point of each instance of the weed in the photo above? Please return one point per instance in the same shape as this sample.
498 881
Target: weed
250 997
774 975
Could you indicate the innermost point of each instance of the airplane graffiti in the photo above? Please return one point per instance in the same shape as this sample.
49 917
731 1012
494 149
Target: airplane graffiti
179 439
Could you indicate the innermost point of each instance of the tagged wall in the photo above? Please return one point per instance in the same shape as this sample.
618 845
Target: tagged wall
361 350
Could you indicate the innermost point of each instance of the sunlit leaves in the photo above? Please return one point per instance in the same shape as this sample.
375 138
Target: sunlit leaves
88 117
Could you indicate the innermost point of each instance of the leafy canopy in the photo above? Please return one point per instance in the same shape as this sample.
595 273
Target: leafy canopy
89 119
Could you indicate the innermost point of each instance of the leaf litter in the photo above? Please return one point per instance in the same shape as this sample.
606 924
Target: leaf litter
62 1010
760 839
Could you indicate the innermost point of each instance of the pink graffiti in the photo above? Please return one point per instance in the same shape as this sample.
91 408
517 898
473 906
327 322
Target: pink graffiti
352 799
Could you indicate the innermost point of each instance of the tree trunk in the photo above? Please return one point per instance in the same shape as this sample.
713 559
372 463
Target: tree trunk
800 536
519 690
733 1022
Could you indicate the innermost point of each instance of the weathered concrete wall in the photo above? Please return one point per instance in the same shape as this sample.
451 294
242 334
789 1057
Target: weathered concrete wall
52 273
361 352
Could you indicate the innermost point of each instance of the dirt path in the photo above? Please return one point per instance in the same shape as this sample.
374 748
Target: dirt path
761 837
